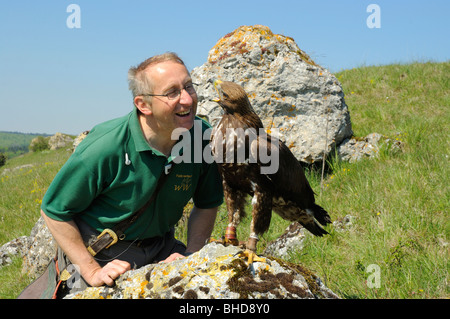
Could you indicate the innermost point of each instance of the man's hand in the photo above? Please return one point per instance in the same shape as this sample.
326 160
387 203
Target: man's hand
107 274
172 257
68 237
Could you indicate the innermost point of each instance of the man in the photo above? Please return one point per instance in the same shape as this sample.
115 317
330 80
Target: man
115 169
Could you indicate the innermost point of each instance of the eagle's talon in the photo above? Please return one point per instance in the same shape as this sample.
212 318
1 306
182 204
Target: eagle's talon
224 241
252 257
213 240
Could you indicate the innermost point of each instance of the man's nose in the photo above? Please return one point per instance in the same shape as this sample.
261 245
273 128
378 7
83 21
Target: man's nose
185 97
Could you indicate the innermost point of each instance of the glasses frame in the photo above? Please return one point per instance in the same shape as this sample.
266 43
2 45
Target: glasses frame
178 91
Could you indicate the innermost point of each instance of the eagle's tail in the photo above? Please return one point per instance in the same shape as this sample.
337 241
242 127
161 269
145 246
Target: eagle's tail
320 216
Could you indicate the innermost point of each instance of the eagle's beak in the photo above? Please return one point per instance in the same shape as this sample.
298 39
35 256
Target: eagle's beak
216 83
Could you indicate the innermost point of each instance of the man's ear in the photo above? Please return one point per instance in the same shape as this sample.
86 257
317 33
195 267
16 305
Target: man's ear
142 105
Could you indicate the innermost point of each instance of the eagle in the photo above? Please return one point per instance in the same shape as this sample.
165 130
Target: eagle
241 148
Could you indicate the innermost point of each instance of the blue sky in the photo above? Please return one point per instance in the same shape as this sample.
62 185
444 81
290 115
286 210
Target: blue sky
57 79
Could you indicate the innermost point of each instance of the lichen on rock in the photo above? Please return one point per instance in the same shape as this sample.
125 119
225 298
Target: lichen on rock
214 272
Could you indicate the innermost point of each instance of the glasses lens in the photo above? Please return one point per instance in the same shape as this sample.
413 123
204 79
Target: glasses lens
173 95
190 88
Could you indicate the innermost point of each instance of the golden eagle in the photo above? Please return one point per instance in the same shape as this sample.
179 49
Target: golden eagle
242 148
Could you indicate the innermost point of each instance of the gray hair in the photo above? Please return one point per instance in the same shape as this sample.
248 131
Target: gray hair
138 82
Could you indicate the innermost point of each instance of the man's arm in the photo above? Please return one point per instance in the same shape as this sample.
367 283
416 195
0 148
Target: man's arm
200 226
68 237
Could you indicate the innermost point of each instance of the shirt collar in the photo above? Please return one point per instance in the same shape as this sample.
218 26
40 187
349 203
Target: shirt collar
139 139
136 132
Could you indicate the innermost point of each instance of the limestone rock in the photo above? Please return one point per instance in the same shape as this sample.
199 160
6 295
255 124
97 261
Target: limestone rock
41 249
16 247
214 272
78 139
355 149
291 240
292 95
59 140
344 224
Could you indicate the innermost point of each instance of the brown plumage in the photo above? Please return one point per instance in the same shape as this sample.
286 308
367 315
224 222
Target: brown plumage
286 191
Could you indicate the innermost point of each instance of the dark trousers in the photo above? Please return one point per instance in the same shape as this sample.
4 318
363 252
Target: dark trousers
138 254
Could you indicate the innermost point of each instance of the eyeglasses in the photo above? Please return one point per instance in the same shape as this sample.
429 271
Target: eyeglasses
175 94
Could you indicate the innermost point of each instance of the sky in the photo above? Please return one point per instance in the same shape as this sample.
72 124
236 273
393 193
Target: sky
65 70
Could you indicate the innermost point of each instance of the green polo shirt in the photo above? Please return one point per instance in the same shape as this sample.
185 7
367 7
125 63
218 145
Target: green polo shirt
98 186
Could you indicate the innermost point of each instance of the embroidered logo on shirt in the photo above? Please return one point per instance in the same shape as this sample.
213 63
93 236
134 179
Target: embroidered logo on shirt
185 182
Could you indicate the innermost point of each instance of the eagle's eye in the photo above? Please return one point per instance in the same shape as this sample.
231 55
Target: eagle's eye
225 95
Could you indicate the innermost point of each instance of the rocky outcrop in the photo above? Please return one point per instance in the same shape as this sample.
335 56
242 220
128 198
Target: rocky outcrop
290 241
354 149
40 250
59 140
290 92
78 139
16 247
37 250
214 272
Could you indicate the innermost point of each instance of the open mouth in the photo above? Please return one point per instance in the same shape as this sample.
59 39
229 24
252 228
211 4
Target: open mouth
184 114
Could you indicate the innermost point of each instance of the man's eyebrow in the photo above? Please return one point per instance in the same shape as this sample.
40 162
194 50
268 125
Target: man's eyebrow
175 86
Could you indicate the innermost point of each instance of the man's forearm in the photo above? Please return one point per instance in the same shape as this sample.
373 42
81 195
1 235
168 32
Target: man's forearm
200 227
68 237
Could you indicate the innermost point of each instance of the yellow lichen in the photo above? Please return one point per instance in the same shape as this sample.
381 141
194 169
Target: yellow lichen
244 38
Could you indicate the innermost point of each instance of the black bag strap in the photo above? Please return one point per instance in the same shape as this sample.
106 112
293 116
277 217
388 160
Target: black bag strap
120 228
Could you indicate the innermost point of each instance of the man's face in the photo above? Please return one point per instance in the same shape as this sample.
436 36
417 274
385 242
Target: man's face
171 114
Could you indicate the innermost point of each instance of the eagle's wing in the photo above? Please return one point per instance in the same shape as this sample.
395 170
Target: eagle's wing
280 167
289 185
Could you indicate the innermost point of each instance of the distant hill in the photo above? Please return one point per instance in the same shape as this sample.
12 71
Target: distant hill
16 143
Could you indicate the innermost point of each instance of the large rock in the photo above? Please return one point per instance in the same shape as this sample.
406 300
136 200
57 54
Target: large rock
215 272
16 247
291 241
355 149
40 250
288 90
59 140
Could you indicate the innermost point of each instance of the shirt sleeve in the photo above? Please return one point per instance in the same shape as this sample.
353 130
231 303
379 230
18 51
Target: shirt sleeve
71 191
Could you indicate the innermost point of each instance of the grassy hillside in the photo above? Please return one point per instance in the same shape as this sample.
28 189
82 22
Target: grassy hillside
23 182
400 201
14 143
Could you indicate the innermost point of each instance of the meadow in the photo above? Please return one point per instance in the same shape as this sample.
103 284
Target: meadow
399 200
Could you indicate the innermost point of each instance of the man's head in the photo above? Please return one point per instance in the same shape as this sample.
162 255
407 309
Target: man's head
155 83
138 82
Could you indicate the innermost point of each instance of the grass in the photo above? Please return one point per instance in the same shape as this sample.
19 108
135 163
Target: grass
400 200
23 182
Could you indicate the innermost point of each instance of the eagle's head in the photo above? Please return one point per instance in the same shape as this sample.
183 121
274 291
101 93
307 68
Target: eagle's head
232 97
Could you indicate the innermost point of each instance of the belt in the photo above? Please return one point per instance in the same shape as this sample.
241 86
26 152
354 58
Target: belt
108 238
146 242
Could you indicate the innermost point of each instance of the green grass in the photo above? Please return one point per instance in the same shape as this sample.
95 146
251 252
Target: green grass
14 144
23 182
400 200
